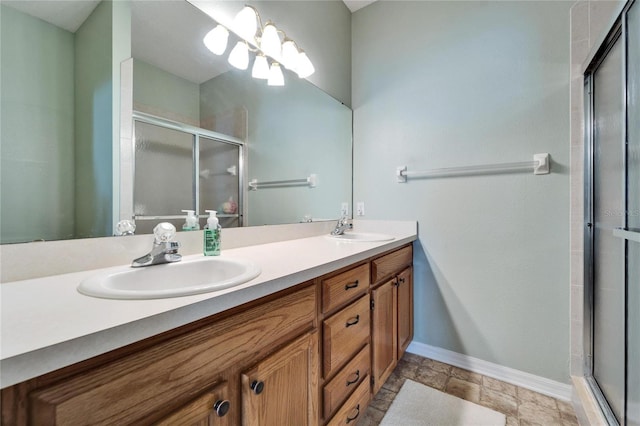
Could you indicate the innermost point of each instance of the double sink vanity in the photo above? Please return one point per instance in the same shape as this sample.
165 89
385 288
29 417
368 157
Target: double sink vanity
307 336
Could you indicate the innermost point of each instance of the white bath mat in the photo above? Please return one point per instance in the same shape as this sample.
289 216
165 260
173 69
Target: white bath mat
421 405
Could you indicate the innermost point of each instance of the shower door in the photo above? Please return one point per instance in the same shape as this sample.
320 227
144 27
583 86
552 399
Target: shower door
612 221
179 167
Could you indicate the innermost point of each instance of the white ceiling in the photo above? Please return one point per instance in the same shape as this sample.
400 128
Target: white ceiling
71 14
162 36
68 15
354 5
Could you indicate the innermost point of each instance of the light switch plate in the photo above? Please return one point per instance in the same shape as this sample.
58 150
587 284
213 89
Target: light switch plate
360 208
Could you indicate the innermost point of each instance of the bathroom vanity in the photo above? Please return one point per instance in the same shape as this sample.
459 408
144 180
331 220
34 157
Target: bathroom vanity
313 352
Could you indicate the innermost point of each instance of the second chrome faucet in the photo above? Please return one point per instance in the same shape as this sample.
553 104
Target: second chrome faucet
342 225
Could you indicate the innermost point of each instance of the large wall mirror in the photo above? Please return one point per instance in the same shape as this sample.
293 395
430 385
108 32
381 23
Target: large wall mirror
62 90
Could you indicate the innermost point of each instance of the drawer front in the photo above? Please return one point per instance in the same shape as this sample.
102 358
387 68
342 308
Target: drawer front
353 410
209 409
344 287
146 384
344 333
346 381
391 263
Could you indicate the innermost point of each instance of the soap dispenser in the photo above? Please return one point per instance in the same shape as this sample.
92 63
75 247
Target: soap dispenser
212 234
191 222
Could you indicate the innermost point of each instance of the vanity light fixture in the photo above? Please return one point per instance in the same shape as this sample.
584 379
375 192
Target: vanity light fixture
245 24
216 40
270 42
289 52
267 44
239 56
276 78
260 67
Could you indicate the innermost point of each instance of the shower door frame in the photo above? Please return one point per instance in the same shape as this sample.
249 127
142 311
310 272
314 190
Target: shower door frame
197 132
618 33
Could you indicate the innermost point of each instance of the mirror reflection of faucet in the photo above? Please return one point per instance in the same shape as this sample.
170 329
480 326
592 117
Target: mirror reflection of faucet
125 227
164 249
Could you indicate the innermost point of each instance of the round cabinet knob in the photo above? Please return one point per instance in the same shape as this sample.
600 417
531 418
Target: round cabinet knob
257 386
221 407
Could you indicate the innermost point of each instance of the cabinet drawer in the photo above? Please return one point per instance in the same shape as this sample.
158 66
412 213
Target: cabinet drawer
391 263
344 287
355 407
142 387
348 379
344 333
209 409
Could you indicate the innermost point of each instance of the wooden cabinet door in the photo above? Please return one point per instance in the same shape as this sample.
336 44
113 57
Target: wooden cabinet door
209 409
283 388
384 333
405 310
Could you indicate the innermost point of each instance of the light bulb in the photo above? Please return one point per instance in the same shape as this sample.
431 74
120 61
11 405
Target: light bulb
245 23
270 41
275 75
290 54
239 56
305 67
216 40
260 67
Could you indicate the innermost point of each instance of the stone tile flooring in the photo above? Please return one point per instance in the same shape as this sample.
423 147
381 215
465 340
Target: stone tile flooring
521 406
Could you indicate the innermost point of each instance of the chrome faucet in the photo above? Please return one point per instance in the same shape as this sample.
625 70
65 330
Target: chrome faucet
342 225
164 250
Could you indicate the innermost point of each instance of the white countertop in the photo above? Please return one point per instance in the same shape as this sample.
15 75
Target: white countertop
47 324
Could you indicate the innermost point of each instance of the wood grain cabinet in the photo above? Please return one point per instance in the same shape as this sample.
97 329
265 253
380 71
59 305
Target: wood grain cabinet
283 388
392 312
314 354
353 409
209 409
174 375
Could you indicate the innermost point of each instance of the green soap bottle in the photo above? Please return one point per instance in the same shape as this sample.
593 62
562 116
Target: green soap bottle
212 235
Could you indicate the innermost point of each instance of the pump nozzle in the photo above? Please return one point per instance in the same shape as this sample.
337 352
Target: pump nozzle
212 220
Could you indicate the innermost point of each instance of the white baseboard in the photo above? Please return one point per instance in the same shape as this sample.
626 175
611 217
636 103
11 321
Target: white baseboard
516 377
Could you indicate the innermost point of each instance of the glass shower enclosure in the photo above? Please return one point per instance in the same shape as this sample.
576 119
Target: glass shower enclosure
179 167
612 221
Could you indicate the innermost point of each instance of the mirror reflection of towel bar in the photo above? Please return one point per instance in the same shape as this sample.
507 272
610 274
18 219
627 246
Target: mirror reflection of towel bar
311 181
540 166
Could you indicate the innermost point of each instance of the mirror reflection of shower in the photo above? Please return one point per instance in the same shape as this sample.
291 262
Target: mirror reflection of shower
178 167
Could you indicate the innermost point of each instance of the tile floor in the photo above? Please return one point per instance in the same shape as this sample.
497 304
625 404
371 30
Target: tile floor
521 406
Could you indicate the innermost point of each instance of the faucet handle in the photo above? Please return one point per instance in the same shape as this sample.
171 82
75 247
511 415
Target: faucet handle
164 232
172 246
125 227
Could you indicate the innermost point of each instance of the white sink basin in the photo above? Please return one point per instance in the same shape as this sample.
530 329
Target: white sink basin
364 237
182 278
